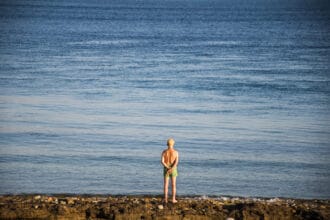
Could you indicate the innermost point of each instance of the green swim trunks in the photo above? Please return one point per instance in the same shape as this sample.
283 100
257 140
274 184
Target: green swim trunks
174 172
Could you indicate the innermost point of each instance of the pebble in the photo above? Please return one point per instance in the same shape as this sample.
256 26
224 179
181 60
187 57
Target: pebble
161 207
230 219
37 197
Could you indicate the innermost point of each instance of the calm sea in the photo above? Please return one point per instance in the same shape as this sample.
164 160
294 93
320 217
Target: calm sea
91 90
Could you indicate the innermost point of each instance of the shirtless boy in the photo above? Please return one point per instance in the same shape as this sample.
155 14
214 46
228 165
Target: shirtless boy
170 160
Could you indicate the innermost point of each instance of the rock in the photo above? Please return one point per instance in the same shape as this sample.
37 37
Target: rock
274 200
204 197
49 199
63 201
154 201
71 201
102 199
137 207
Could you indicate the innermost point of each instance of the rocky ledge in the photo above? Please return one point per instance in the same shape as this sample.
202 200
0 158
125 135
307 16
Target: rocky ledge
152 207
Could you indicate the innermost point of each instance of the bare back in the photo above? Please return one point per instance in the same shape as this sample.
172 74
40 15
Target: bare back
170 156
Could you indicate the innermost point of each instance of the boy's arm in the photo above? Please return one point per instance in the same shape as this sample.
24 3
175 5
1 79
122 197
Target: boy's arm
176 160
163 161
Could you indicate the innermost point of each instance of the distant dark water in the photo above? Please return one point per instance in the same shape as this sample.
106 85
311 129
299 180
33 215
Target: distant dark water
90 91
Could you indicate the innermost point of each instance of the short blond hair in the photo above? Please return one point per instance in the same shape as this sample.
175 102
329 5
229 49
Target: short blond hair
170 142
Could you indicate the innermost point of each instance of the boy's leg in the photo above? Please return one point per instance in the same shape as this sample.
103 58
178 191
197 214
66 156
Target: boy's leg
173 189
166 179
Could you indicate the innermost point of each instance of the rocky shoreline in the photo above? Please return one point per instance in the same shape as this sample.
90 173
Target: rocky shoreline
152 207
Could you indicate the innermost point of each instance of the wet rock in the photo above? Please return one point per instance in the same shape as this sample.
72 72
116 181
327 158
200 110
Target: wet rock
160 207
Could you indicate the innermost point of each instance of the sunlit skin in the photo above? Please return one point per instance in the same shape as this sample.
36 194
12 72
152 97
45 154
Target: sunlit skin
170 160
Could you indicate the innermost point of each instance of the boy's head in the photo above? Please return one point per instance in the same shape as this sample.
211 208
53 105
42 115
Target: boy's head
170 142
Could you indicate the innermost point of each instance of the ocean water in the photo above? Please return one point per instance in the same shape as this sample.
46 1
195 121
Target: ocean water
91 90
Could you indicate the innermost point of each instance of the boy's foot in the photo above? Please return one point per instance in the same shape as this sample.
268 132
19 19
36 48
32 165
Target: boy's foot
174 201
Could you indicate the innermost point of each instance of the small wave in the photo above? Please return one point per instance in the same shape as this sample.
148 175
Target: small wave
220 43
105 42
